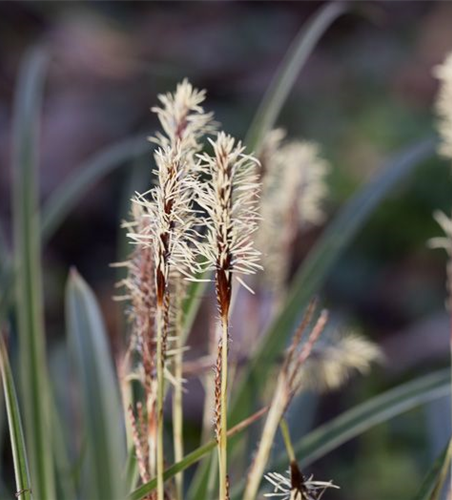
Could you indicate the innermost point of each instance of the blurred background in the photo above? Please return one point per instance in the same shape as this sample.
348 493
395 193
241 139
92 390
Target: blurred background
366 93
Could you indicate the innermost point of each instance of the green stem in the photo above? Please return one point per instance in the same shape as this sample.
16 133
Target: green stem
160 400
287 441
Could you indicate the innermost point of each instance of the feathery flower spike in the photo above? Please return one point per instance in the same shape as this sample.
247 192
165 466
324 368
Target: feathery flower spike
293 190
170 218
229 198
444 105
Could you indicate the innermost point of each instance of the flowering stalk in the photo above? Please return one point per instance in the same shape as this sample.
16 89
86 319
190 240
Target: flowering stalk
293 192
229 199
170 220
286 386
139 286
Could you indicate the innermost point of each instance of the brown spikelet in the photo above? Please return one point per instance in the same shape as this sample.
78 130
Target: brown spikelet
217 411
223 290
228 487
166 324
142 465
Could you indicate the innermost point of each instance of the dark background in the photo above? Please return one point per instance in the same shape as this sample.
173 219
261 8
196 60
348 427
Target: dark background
365 93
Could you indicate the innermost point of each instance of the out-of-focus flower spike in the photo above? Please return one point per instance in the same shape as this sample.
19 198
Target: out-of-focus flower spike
293 192
444 105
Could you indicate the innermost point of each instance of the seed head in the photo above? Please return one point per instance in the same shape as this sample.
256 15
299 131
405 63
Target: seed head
293 191
183 119
229 198
295 486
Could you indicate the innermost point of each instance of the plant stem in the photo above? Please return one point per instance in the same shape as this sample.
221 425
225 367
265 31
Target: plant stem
275 414
222 439
160 398
178 412
287 441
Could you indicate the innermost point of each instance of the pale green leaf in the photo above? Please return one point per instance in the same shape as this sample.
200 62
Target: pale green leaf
101 407
29 301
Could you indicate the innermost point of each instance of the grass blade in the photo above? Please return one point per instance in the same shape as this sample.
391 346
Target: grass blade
287 73
434 480
15 427
321 260
105 434
29 302
64 199
363 417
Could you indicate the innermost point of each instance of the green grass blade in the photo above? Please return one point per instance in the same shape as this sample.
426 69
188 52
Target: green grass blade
15 427
287 73
363 417
434 480
64 199
29 302
369 414
314 270
103 424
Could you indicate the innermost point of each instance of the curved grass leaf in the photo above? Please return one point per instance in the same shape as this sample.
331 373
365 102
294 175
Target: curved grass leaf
28 279
287 73
316 267
363 417
101 407
436 476
64 199
15 427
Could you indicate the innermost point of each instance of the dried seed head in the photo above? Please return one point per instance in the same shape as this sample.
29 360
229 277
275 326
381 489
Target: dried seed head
295 486
293 191
139 288
444 105
229 198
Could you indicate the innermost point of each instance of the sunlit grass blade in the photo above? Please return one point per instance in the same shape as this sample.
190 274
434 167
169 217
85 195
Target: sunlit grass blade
29 301
363 417
320 261
66 196
289 70
434 480
194 457
15 427
103 423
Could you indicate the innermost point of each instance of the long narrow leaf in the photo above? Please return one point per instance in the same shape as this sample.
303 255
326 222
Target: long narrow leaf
29 302
15 427
64 199
434 480
320 261
287 73
104 427
363 417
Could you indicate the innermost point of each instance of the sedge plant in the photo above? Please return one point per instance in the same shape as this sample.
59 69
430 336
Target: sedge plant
219 211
